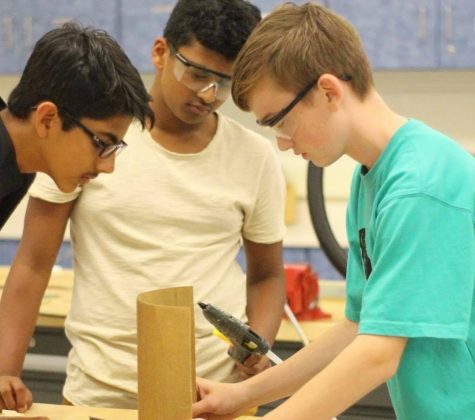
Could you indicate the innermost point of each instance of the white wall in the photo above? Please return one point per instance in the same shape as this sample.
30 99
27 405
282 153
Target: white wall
444 100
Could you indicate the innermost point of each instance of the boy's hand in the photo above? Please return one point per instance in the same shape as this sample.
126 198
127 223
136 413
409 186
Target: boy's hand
14 395
253 365
219 401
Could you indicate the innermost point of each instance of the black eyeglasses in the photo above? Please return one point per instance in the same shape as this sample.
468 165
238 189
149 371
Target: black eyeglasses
105 149
273 120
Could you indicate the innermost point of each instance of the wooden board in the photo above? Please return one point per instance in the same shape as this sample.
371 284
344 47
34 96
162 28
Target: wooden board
65 412
57 299
312 329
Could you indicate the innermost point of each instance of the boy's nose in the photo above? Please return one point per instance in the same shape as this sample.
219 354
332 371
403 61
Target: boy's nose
284 144
106 165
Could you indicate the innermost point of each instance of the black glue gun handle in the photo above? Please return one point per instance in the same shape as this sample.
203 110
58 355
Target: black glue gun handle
240 354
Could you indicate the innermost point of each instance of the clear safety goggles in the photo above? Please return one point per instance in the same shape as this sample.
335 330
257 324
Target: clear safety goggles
200 79
284 127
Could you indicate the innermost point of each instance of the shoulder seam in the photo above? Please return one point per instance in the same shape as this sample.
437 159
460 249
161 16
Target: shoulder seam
388 200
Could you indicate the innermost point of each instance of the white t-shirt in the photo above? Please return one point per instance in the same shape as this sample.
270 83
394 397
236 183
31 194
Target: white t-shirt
163 219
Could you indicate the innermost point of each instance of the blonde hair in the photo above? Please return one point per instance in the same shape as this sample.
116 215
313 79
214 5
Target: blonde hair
295 45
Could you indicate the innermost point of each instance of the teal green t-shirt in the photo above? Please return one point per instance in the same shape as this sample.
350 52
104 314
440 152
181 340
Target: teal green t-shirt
411 268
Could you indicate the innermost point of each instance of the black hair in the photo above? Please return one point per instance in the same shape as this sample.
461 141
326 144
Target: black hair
219 25
84 71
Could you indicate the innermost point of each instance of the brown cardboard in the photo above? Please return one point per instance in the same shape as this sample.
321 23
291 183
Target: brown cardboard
166 354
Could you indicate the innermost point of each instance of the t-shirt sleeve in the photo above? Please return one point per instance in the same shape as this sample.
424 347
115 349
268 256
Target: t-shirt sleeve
423 264
354 269
265 223
45 189
353 302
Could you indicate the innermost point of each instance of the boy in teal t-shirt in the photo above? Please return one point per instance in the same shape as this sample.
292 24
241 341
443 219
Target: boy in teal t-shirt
410 226
410 316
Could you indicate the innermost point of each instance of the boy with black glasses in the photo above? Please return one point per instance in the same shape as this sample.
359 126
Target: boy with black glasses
75 100
184 196
410 306
38 126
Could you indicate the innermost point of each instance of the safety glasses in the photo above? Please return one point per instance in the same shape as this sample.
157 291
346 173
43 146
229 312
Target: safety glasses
199 78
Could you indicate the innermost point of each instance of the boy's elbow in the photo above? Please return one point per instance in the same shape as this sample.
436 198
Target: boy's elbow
384 353
391 367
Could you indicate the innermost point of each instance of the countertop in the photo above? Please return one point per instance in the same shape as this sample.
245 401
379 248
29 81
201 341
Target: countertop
63 412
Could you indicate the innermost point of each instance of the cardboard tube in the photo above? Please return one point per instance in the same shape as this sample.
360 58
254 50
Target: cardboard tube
166 354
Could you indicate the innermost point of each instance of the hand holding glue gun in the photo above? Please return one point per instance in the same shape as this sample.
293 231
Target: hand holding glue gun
245 342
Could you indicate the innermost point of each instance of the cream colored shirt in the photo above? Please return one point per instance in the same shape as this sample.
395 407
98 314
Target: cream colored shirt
163 219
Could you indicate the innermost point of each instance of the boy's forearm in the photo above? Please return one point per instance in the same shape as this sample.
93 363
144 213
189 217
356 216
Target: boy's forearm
285 379
19 306
368 362
28 279
265 302
266 292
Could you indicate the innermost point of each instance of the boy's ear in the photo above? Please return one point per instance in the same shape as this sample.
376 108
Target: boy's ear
45 118
332 89
160 51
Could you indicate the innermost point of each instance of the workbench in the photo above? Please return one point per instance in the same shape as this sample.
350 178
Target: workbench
64 412
44 371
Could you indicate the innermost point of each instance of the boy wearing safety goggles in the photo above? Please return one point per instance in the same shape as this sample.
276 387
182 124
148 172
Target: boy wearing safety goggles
182 200
410 304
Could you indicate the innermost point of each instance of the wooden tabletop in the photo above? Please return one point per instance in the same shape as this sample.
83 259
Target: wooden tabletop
312 329
57 298
55 306
65 412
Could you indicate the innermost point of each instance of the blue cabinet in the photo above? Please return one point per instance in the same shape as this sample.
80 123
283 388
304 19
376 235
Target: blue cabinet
146 20
142 23
298 255
395 33
266 6
23 22
457 40
47 14
11 51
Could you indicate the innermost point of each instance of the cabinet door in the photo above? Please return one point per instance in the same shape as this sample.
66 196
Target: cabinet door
396 34
146 20
266 6
142 23
10 50
457 39
32 18
48 14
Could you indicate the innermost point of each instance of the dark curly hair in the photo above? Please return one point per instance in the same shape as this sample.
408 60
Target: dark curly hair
219 25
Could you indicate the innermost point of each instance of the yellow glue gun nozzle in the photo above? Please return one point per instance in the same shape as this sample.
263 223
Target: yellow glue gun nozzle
220 335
